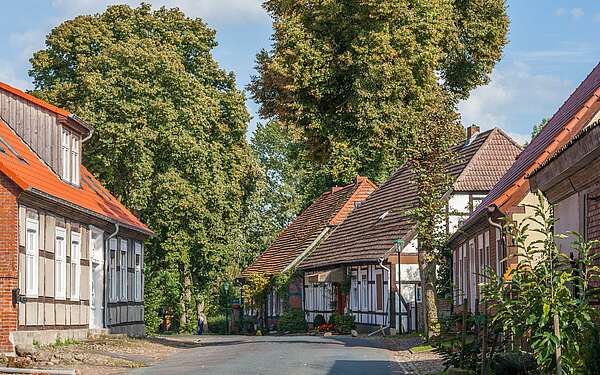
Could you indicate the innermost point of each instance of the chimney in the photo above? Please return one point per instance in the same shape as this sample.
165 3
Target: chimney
472 131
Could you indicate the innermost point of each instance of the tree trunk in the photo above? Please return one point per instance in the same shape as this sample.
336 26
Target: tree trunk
186 297
428 273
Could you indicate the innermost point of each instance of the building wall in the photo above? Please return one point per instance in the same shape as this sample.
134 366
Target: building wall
46 311
125 312
9 264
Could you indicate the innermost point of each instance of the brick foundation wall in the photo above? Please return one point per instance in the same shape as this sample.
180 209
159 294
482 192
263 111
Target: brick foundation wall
9 216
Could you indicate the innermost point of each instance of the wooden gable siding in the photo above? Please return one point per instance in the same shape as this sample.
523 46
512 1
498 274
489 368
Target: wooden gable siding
38 127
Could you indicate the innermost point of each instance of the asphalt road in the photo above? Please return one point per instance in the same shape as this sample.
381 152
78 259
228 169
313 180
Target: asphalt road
266 355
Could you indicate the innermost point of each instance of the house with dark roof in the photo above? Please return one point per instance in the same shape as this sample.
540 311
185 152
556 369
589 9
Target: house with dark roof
71 254
480 242
300 238
570 181
376 246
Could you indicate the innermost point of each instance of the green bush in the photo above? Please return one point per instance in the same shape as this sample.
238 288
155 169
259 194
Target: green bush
592 351
344 323
514 363
293 321
318 320
217 324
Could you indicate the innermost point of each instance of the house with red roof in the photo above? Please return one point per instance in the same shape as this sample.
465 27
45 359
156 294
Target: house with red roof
570 181
301 237
71 254
480 242
376 246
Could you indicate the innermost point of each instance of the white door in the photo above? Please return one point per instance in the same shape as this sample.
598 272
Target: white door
97 278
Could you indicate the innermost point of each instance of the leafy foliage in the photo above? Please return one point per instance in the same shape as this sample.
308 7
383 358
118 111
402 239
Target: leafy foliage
349 78
537 128
170 139
254 290
344 323
319 320
543 285
514 363
293 321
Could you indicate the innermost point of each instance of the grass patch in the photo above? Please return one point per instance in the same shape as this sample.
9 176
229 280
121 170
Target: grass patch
421 348
60 343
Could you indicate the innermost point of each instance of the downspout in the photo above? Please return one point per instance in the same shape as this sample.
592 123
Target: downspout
107 271
491 210
383 328
87 138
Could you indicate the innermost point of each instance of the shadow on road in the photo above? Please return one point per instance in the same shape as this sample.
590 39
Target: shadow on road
355 367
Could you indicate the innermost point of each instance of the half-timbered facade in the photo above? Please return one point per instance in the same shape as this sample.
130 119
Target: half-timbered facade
376 246
300 238
67 246
480 242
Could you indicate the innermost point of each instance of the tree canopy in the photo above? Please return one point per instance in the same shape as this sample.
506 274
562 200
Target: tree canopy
351 78
170 139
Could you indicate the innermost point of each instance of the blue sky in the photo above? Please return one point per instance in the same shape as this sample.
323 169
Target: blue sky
552 47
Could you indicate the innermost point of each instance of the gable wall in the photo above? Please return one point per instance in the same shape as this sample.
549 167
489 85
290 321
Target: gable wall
39 128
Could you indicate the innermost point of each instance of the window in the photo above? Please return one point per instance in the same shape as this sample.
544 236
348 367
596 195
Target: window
112 264
379 287
499 251
60 263
355 300
75 160
138 271
123 270
363 293
76 265
31 257
419 294
65 154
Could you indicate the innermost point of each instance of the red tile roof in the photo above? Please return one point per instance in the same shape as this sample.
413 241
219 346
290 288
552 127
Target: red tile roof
329 210
30 173
565 123
370 231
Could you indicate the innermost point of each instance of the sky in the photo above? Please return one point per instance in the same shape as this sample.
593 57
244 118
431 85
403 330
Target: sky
552 47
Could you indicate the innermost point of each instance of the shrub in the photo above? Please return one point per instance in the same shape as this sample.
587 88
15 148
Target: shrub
343 323
514 363
318 321
293 321
217 324
592 351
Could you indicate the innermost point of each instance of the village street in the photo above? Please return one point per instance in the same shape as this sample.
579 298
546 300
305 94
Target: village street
305 355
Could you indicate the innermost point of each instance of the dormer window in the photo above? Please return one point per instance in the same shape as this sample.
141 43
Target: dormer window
75 160
70 156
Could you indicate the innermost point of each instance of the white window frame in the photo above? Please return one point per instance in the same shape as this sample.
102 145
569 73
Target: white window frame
60 263
138 271
123 248
364 291
32 253
65 154
112 264
355 301
75 161
76 265
377 290
498 254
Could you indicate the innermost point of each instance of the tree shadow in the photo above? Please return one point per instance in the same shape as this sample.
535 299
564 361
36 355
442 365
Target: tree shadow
358 367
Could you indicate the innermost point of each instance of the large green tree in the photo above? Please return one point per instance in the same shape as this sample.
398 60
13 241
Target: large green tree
170 139
364 85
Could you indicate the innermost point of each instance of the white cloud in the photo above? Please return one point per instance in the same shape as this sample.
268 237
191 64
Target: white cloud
9 75
28 42
212 11
514 95
560 12
577 12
